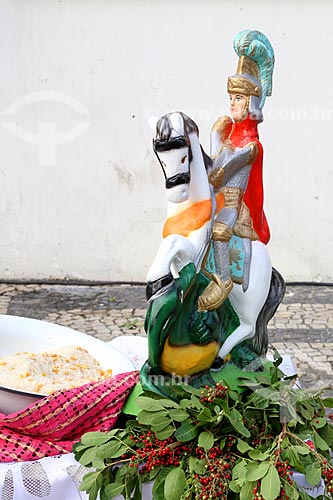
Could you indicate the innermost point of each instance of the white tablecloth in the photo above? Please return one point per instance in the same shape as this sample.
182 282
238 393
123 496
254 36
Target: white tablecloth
53 478
58 478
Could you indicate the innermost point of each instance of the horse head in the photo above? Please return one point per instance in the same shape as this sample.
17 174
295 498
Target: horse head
173 148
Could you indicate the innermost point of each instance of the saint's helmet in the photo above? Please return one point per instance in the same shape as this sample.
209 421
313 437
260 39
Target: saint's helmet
254 70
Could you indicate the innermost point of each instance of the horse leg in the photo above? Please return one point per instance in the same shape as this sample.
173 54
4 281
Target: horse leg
249 304
174 253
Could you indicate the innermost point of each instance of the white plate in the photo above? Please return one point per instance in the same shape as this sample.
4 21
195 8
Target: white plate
19 334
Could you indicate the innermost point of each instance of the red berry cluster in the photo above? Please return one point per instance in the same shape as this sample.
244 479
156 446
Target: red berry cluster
283 469
327 473
261 430
214 483
209 394
256 492
156 453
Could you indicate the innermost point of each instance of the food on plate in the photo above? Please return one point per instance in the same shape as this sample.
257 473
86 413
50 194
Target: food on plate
44 372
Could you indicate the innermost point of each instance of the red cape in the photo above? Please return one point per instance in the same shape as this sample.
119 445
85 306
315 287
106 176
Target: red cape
241 134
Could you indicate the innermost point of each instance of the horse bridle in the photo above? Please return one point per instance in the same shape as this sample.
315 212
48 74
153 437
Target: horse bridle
175 143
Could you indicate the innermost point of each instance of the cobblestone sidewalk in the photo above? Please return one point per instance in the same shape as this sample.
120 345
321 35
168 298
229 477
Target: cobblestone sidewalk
302 327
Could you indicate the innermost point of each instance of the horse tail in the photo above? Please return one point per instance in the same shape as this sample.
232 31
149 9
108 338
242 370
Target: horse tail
275 295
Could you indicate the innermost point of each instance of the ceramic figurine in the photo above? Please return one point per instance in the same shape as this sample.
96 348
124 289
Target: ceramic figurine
236 140
201 308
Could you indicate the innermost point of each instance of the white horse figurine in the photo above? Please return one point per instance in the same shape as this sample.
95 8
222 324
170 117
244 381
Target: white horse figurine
187 231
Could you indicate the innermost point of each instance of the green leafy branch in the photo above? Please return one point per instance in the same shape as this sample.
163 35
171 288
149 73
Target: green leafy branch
216 443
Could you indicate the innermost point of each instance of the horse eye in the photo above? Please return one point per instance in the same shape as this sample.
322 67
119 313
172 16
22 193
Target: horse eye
183 159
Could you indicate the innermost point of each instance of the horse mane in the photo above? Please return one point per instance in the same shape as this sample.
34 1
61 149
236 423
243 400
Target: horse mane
207 159
164 130
164 127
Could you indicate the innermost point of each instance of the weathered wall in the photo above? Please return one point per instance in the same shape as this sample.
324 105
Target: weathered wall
89 73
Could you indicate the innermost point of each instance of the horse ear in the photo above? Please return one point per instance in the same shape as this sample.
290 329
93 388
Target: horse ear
152 122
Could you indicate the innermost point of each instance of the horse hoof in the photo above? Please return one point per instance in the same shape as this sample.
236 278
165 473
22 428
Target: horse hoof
217 364
155 286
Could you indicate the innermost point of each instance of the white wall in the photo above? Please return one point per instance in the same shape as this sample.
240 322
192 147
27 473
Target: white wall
93 207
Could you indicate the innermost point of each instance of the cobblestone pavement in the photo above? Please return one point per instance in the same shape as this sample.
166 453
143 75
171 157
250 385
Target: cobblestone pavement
302 327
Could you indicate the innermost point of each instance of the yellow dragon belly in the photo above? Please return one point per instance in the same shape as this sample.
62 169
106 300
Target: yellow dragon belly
188 359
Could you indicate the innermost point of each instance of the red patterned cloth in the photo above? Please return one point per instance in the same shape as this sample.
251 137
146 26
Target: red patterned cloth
53 424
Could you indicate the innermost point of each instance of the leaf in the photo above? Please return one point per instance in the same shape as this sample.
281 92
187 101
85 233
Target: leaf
270 484
194 403
168 403
205 416
153 473
327 434
222 443
242 446
306 413
233 395
158 490
234 486
320 443
114 489
247 490
93 492
123 449
239 470
206 440
192 390
236 421
98 463
88 456
79 447
225 407
290 491
94 438
302 450
88 480
263 379
197 465
161 424
258 455
165 433
178 415
137 495
121 472
318 422
257 471
294 460
186 432
158 486
313 473
108 450
145 417
148 404
159 419
328 402
174 484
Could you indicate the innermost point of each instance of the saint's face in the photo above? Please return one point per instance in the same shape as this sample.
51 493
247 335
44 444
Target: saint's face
238 105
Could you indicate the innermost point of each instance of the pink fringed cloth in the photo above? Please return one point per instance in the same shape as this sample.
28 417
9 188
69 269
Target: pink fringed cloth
53 424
